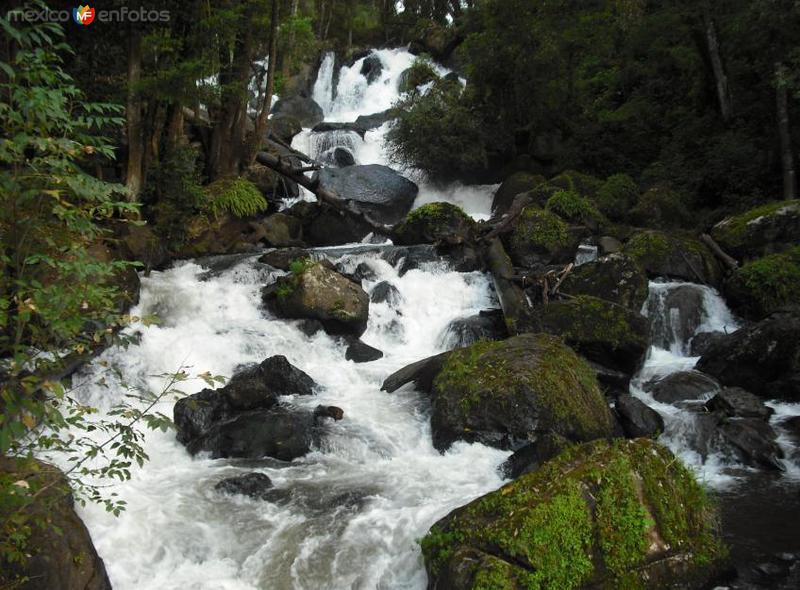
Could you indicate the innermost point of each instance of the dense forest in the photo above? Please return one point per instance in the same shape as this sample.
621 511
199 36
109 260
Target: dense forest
600 197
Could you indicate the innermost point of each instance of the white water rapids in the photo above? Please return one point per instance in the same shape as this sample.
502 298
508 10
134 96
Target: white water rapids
355 507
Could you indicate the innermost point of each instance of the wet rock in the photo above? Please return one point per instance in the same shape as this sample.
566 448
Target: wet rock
320 293
609 245
283 257
753 441
327 126
272 185
364 272
637 418
682 386
376 190
60 553
763 358
333 412
310 327
760 231
375 120
603 332
281 230
539 238
406 258
675 315
371 68
302 108
703 341
421 373
586 495
616 278
533 455
735 401
285 127
434 223
519 182
679 257
486 325
385 292
662 208
253 485
360 352
279 432
612 383
764 285
343 157
506 393
325 226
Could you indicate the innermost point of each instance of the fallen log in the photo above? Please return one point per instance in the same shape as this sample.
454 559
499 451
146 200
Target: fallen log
730 262
513 301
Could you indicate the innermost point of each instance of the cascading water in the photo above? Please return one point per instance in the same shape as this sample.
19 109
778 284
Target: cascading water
352 509
354 95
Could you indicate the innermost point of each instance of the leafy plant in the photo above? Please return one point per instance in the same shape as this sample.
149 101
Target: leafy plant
235 195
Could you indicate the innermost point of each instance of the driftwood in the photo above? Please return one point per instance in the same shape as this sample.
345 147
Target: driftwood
513 301
285 167
730 262
495 227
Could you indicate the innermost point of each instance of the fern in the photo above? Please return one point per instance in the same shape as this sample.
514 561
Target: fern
235 195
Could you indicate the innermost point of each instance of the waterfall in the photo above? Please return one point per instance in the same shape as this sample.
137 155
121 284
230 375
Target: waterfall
323 86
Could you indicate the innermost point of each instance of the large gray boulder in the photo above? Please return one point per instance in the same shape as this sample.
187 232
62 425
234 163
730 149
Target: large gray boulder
374 189
304 109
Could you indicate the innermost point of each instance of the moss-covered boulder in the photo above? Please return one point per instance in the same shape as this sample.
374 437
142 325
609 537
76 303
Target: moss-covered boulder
626 514
616 278
540 237
572 180
505 393
519 182
281 230
675 256
604 332
765 285
616 196
313 290
662 208
420 72
434 223
764 230
573 207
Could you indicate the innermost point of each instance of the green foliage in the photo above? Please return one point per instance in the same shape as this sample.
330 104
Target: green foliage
437 133
237 196
662 208
582 519
617 195
287 285
769 283
421 72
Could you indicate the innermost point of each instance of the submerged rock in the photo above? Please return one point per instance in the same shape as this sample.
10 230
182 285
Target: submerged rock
616 278
317 292
753 441
601 515
763 358
735 401
385 292
604 332
371 68
486 325
506 393
533 455
675 315
637 418
376 190
361 352
253 485
421 373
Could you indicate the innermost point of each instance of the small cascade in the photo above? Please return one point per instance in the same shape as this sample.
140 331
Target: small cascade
323 91
586 253
321 145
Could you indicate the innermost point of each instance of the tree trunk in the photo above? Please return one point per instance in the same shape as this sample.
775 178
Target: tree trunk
286 70
134 177
720 79
784 131
262 120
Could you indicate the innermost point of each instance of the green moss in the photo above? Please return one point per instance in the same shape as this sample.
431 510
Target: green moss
661 207
769 283
289 283
648 246
235 195
586 318
571 180
539 229
436 213
593 516
495 574
565 385
433 222
732 232
570 205
617 195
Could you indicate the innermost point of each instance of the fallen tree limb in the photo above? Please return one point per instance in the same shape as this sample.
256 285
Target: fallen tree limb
286 168
513 300
730 262
496 227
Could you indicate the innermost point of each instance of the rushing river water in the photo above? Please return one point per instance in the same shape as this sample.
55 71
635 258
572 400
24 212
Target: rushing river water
352 510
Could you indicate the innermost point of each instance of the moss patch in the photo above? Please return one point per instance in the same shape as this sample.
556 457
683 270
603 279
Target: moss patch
767 284
540 230
432 223
570 205
596 514
572 180
617 195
